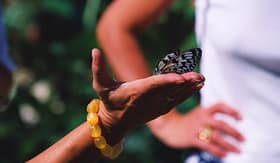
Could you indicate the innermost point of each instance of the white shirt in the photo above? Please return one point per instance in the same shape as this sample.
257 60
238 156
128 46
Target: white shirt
241 62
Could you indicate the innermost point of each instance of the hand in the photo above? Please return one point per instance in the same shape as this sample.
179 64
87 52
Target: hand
123 106
187 128
129 104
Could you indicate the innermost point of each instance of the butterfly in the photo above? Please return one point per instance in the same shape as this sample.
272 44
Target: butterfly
178 62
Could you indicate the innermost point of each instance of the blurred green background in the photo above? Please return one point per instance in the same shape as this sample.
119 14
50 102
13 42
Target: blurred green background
51 42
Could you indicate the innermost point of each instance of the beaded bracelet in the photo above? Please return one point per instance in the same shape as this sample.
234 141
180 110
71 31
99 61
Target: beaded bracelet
96 133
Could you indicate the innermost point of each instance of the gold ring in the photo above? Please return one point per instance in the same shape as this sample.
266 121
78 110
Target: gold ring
205 134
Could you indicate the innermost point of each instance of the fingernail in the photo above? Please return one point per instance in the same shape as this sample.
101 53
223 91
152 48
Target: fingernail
92 54
202 77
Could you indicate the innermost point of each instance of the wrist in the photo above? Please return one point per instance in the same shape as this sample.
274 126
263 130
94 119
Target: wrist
111 125
106 136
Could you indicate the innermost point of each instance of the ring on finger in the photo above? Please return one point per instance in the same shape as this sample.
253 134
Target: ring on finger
205 134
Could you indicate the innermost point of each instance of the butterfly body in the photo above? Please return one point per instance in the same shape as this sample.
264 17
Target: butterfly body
179 62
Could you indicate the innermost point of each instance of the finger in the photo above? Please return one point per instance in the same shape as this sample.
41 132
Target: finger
166 79
182 94
193 81
163 83
171 86
172 79
183 91
226 128
212 148
218 139
100 73
193 77
223 108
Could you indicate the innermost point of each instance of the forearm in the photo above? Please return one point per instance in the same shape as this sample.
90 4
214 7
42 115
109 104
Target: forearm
117 46
169 124
123 53
160 126
116 33
118 112
77 146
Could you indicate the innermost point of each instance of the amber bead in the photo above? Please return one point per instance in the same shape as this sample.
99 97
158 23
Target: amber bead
117 150
92 119
100 142
107 151
93 106
95 131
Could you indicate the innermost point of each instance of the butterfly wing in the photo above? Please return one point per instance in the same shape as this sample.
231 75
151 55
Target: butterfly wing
189 59
168 63
179 62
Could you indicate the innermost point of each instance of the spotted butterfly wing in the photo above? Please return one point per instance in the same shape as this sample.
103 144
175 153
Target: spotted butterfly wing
179 62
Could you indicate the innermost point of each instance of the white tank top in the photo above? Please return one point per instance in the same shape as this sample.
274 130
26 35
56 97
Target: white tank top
240 40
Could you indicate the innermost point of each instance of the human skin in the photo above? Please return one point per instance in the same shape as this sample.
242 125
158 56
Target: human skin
117 29
123 102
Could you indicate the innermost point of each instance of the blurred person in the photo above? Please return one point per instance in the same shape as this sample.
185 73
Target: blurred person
119 110
6 67
240 60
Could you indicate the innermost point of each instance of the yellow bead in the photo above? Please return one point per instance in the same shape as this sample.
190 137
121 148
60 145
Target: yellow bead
92 119
93 106
107 151
100 142
117 150
95 131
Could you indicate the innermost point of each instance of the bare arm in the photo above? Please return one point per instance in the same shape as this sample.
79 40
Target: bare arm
77 146
116 33
122 103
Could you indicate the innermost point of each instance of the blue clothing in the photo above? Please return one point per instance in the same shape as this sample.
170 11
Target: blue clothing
198 156
4 57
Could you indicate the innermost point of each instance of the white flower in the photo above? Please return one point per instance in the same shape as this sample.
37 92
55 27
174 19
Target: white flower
28 114
41 91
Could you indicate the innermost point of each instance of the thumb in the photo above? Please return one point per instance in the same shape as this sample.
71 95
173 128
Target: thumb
101 77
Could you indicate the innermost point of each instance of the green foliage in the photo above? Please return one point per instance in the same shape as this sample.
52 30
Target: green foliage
91 14
54 75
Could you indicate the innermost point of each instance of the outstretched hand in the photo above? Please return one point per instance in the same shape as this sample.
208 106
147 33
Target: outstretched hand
127 104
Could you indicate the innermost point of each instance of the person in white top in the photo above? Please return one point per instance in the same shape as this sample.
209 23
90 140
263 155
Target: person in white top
241 64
